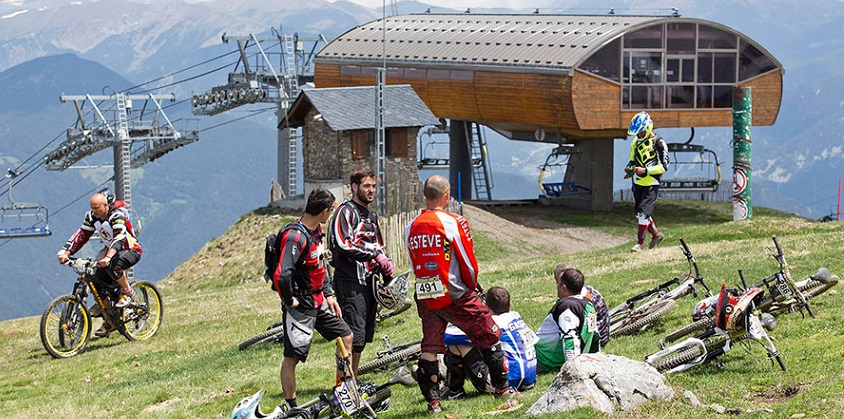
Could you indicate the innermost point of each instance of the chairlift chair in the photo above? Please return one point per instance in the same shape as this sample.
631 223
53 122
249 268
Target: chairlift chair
561 158
693 168
22 219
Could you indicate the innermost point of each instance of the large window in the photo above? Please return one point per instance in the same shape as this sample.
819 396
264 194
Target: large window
678 65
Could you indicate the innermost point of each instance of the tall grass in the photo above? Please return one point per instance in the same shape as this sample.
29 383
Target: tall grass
215 300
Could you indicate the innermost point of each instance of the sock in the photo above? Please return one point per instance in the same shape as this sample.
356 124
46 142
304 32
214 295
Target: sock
652 229
641 233
291 402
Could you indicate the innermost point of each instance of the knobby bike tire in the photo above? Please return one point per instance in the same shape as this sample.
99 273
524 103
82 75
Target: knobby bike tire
653 314
72 327
377 398
271 334
683 356
393 360
701 324
142 317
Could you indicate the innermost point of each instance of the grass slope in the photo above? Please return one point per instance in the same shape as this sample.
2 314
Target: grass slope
215 300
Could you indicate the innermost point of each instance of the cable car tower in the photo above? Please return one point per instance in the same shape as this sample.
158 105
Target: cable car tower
260 81
136 134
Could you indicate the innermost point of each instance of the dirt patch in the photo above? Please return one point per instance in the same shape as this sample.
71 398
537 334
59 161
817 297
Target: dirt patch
779 393
525 230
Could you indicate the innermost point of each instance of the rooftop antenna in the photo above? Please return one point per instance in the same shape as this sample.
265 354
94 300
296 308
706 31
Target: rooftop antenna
612 11
675 12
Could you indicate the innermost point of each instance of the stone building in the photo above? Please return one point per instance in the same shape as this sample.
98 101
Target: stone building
338 136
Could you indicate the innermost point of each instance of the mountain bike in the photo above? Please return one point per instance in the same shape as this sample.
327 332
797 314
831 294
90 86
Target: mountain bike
739 320
638 312
783 296
349 399
66 323
392 357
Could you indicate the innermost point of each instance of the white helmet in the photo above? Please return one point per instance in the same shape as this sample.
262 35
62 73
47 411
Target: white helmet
250 408
393 293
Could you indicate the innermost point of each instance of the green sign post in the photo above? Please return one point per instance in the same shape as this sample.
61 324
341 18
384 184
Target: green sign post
742 125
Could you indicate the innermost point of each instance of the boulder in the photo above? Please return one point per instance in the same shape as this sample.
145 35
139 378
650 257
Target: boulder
603 382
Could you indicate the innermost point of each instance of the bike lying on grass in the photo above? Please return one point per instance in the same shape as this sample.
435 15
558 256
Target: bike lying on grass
738 320
638 312
392 300
392 357
783 296
349 399
66 323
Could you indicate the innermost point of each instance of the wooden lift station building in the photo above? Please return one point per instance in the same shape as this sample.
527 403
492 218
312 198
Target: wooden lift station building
560 78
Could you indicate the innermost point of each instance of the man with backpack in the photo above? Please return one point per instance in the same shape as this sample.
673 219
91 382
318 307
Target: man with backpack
602 312
307 298
648 161
121 251
357 256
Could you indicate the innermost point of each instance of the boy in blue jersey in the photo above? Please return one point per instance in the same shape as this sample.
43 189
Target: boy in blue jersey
517 340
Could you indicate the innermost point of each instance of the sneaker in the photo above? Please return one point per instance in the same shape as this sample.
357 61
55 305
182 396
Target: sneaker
655 240
124 300
507 393
104 330
450 394
637 248
434 407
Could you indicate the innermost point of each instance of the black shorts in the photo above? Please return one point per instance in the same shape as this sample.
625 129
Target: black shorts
645 198
359 307
122 260
299 329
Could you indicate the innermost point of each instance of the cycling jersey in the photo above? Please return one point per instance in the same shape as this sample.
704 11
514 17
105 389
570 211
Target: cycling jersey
354 238
439 246
517 341
652 154
569 330
112 230
301 271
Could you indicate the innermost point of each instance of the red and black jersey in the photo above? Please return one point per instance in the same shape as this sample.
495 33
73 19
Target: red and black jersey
113 230
301 270
355 239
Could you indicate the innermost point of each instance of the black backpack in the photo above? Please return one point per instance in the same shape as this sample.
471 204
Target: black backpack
273 246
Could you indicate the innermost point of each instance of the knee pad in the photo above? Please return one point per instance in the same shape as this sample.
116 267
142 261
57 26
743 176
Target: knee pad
455 372
428 378
477 370
497 364
643 219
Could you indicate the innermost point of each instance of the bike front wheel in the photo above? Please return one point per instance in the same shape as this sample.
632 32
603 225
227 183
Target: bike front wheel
142 317
393 360
701 324
65 327
274 334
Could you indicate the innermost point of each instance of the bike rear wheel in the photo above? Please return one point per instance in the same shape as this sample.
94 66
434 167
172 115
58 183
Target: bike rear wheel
65 327
701 324
653 314
393 360
142 317
274 334
815 288
683 356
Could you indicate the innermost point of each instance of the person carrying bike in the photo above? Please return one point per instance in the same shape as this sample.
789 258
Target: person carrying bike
357 256
648 161
307 298
570 328
440 248
464 360
121 251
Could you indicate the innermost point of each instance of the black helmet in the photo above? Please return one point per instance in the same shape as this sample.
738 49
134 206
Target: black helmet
109 195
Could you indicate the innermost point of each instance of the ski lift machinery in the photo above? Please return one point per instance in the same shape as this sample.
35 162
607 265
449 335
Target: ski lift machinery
693 168
22 219
561 158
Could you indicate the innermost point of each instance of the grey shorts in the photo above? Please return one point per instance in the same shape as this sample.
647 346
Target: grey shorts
299 329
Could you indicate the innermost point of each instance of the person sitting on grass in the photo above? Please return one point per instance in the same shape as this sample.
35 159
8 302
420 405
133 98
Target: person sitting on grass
571 327
517 340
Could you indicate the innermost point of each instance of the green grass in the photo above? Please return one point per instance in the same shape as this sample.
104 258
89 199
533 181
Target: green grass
215 300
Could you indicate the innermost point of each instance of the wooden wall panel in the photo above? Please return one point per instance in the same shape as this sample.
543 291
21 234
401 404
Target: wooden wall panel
767 97
327 75
500 96
596 102
452 99
549 100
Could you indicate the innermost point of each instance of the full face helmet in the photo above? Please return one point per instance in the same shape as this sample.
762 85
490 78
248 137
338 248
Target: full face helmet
109 196
640 122
250 408
393 293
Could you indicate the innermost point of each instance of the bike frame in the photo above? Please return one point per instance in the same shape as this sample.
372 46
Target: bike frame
86 269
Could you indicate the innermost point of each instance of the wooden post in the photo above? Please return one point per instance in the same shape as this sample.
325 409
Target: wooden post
742 125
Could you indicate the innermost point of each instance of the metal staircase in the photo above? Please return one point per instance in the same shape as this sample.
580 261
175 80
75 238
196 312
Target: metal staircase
481 178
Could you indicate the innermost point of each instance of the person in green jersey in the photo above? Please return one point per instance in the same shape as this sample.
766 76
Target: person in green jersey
570 328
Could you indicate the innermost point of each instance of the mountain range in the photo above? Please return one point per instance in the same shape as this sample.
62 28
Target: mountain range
193 194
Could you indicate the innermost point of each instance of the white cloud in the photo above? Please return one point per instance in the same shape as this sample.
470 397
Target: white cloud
462 4
780 175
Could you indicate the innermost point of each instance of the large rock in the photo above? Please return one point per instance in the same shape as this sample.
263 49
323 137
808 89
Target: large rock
603 382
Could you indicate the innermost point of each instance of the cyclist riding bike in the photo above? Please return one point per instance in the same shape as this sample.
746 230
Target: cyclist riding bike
121 250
